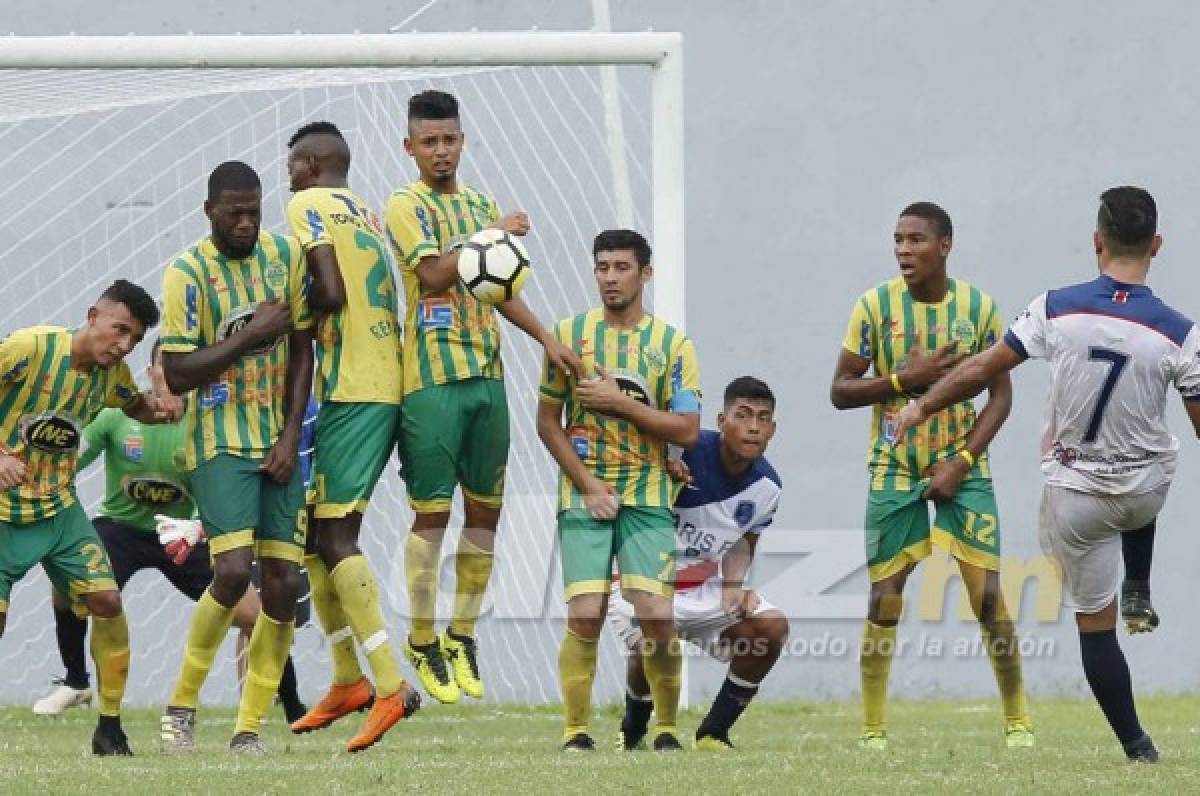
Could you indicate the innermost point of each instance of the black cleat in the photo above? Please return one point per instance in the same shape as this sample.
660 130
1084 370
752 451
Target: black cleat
109 739
1142 751
580 742
1136 610
630 738
667 742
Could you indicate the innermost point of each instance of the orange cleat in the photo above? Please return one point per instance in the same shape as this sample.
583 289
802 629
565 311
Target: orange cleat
342 700
384 714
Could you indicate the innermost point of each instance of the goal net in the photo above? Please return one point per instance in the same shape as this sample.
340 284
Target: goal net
108 169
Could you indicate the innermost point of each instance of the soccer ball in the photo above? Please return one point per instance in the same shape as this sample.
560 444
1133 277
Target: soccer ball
493 266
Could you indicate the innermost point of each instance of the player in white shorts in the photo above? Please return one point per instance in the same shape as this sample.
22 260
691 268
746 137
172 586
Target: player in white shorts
730 497
1114 348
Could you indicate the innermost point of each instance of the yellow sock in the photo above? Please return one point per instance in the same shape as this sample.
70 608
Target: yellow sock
110 651
420 570
663 664
333 621
210 623
875 662
576 671
359 596
269 646
473 569
1001 640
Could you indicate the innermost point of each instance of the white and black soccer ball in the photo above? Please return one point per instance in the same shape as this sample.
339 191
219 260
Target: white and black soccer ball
493 266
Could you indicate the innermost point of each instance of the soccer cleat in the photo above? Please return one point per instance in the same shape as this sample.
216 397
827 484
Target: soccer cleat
61 699
463 654
667 742
712 742
1019 735
430 666
109 740
875 740
341 700
383 716
579 742
178 731
1136 610
247 743
1142 750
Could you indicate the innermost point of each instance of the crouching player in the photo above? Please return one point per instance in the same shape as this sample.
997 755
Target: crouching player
731 495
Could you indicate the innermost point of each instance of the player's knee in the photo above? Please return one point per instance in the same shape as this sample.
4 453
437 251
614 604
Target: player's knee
104 604
885 606
586 627
772 627
231 575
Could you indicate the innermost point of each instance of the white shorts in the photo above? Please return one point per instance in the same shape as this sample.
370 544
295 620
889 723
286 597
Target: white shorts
699 619
1081 532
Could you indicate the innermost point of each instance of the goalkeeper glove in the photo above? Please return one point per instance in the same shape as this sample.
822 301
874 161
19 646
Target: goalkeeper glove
178 537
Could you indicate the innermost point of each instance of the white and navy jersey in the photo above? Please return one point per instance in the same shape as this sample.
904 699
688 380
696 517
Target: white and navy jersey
1113 349
714 511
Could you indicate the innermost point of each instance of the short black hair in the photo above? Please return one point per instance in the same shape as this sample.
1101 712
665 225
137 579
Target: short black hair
932 213
432 104
232 175
1127 219
751 389
315 128
614 239
140 305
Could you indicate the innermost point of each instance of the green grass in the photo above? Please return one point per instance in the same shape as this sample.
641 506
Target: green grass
783 748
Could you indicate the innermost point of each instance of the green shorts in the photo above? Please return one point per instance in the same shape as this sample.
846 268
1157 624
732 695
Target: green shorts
642 539
242 507
67 547
454 434
353 443
898 531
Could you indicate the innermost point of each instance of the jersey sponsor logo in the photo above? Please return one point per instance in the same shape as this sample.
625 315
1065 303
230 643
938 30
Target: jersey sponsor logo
864 340
743 513
51 433
677 375
424 221
191 303
887 428
633 385
582 446
316 227
134 448
153 490
436 313
237 320
214 395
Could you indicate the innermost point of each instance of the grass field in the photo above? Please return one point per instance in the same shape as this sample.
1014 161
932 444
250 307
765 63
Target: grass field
783 748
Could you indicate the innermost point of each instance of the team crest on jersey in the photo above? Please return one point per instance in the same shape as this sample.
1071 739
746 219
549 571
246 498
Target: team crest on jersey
655 359
744 513
276 275
51 433
237 320
962 330
154 490
134 449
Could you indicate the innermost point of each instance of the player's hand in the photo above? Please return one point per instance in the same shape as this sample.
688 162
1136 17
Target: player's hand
945 477
166 408
601 394
562 357
600 499
178 537
272 319
281 459
12 471
924 369
739 602
909 418
679 471
515 223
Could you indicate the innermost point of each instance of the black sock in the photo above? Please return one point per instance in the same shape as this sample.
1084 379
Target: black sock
1108 674
637 715
109 724
731 700
289 688
1137 548
70 631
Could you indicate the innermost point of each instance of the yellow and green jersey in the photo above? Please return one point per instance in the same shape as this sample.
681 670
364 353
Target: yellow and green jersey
654 363
358 347
206 298
449 336
886 324
44 406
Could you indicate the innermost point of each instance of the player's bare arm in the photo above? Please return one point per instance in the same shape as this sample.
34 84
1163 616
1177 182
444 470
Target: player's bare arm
965 381
327 293
599 498
281 460
12 471
736 599
150 409
947 476
186 371
1193 411
517 312
852 389
605 396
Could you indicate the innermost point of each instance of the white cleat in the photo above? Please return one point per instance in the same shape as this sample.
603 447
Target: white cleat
61 699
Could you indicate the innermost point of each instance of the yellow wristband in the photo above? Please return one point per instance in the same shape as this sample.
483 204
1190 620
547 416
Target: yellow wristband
966 454
896 384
